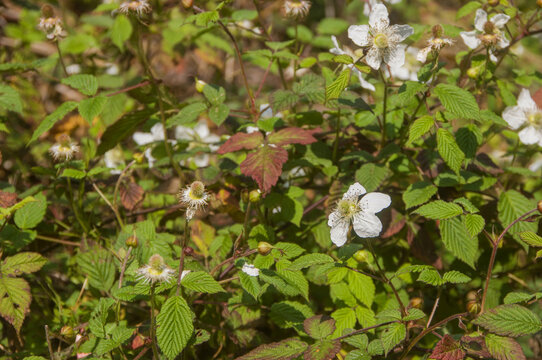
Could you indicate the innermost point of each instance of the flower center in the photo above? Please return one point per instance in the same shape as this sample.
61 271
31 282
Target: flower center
197 190
381 41
535 118
347 208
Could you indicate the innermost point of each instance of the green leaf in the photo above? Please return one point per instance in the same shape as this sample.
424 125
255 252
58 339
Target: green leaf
414 314
439 210
418 193
343 59
419 128
310 260
338 85
409 89
22 263
287 349
73 173
467 205
504 348
509 320
288 314
175 326
345 318
331 26
250 284
188 114
456 277
372 176
366 316
10 99
84 83
97 264
512 204
92 107
531 239
323 350
31 214
15 300
214 94
319 327
200 281
121 31
517 297
119 335
283 99
98 317
458 101
219 113
362 287
474 224
467 9
52 118
449 150
392 335
296 279
459 241
431 277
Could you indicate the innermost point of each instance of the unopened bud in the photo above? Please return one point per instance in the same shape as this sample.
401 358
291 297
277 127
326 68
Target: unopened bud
473 72
363 256
188 251
132 241
264 248
67 332
47 11
187 3
416 302
539 3
437 31
139 157
197 189
539 205
245 196
255 196
473 307
493 2
472 295
200 84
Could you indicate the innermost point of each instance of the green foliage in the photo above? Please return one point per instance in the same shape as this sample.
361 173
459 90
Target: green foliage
439 210
510 320
458 101
52 118
85 84
449 150
175 326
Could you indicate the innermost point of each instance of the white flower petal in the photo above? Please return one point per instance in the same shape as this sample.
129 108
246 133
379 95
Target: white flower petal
359 34
367 225
514 116
201 160
157 132
150 158
525 101
339 232
250 270
492 56
422 54
480 20
402 31
374 202
184 273
354 192
530 135
470 38
500 20
503 42
142 138
395 56
364 84
184 133
202 129
251 129
373 58
336 50
536 165
379 16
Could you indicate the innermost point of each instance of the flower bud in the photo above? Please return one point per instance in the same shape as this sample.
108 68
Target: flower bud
539 3
473 72
47 11
255 196
472 295
363 256
187 3
200 84
264 248
473 307
132 241
493 2
188 251
539 205
139 157
437 31
416 302
67 332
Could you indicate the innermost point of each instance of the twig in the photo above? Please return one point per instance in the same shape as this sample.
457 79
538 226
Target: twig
355 332
58 241
181 259
216 268
49 346
129 88
80 294
434 309
115 211
123 267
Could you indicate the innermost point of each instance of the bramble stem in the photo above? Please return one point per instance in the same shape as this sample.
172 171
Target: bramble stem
181 259
360 331
60 58
153 327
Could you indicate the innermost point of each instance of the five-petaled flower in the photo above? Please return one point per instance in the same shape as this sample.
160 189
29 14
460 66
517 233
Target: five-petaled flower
526 113
488 32
381 39
338 51
359 212
250 270
155 271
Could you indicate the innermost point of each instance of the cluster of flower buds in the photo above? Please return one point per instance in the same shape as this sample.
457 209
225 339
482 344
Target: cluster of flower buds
50 24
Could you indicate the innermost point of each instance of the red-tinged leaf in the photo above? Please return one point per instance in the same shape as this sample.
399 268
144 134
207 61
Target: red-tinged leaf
7 199
319 327
537 97
241 141
504 348
283 350
131 195
265 166
475 345
323 350
447 349
138 342
292 135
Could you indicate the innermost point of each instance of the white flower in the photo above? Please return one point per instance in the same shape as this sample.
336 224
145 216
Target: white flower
250 270
52 27
409 70
138 7
155 271
338 51
371 3
296 8
382 39
114 159
64 149
489 33
199 134
527 114
73 69
536 165
194 197
142 138
360 212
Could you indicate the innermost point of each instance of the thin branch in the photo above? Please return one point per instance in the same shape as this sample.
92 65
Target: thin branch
49 346
58 241
360 331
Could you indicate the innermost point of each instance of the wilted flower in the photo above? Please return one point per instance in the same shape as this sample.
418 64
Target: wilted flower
360 212
487 32
435 43
114 159
296 8
50 24
64 149
371 3
194 197
138 7
250 270
338 51
526 113
381 39
155 271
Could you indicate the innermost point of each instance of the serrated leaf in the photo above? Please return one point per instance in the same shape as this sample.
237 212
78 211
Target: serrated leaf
22 263
459 241
283 99
431 277
218 113
288 314
322 350
512 204
467 9
187 114
52 118
418 193
334 90
458 101
287 349
10 99
509 320
292 135
84 83
343 59
439 210
73 173
345 318
175 326
449 150
15 300
265 166
392 335
31 214
456 277
119 335
319 327
98 265
362 287
92 107
241 141
504 348
447 349
131 194
414 314
365 316
214 94
474 224
121 31
419 128
466 204
98 317
517 297
372 176
202 282
531 239
409 89
310 260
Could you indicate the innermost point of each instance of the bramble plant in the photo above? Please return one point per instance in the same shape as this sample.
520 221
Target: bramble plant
293 179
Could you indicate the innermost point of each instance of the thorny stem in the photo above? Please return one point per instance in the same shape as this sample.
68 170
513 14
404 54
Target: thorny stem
181 259
228 260
58 241
153 326
495 245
